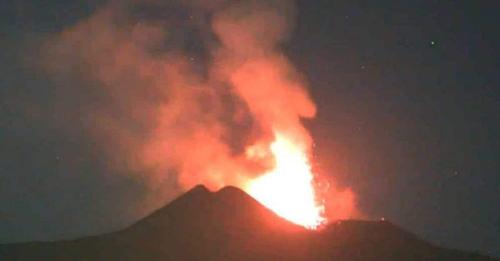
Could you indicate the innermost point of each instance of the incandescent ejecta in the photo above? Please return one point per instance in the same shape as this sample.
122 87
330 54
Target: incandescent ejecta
190 92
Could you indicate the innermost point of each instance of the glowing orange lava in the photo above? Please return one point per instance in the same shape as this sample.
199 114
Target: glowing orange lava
288 189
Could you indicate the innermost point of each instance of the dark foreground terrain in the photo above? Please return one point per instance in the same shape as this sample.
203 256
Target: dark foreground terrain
230 225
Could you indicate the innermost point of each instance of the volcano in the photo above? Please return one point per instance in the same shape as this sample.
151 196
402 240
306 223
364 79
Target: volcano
231 225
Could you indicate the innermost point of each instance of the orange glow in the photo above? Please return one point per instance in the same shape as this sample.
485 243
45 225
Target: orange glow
230 113
288 189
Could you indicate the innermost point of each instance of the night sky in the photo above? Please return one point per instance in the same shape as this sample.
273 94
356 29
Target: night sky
408 97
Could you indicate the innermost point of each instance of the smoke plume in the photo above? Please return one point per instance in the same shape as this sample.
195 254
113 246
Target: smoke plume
181 92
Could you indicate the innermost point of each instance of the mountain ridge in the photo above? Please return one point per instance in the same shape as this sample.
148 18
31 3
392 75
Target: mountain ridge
231 225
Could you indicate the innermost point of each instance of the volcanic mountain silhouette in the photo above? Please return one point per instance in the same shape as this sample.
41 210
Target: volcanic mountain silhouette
231 225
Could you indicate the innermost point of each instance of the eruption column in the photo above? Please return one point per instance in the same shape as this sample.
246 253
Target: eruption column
288 188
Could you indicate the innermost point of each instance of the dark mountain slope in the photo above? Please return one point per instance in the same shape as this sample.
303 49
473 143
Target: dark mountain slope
230 225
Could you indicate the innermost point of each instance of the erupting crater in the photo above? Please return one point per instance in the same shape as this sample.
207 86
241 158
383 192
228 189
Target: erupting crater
288 188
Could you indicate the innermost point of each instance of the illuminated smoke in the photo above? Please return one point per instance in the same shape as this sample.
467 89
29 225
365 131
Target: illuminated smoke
188 92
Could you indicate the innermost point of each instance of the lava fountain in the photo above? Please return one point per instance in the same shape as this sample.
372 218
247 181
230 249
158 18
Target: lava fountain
227 110
288 188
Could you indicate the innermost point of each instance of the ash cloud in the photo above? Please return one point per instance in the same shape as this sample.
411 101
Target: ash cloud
171 94
169 89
